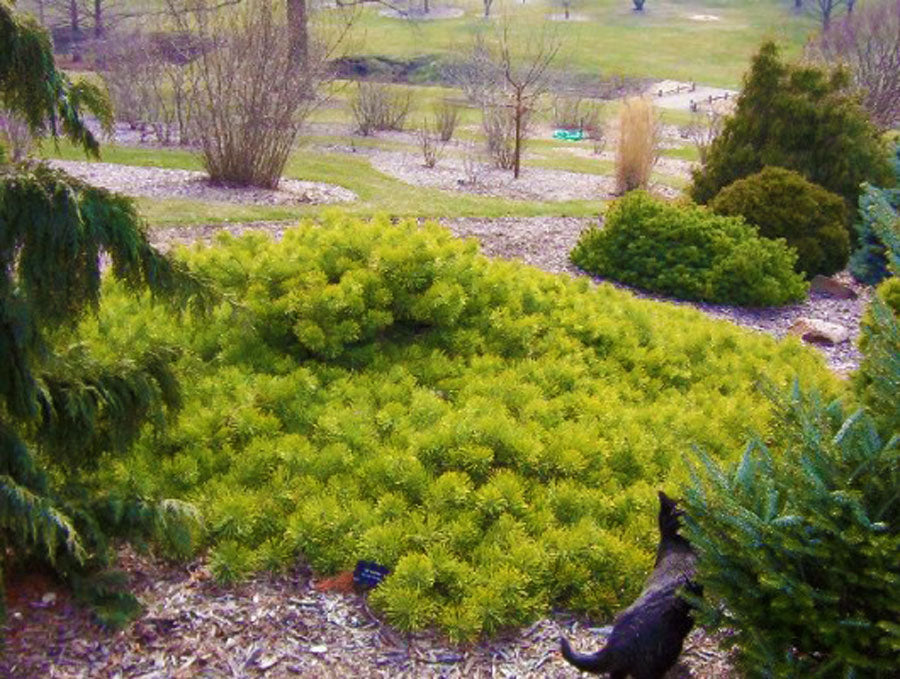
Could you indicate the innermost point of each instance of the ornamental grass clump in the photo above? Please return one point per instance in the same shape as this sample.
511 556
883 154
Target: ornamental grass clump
638 145
493 434
688 252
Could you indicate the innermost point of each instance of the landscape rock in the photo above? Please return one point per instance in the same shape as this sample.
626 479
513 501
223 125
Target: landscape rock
824 285
817 331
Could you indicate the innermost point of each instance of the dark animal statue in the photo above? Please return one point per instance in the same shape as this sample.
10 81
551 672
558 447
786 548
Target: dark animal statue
647 636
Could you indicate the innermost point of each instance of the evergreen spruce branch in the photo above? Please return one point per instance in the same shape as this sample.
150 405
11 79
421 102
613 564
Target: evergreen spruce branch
92 407
18 462
35 520
31 85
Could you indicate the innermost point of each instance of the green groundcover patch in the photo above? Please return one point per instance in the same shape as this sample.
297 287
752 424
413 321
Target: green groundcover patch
492 433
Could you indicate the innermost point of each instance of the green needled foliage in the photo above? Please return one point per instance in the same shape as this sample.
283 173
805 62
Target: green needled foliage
689 252
798 543
492 433
64 407
800 118
31 86
782 204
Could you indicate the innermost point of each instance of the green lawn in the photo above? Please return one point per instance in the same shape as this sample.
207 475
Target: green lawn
664 41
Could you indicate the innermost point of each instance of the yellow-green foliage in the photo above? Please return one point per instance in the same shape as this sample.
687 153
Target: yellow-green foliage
492 433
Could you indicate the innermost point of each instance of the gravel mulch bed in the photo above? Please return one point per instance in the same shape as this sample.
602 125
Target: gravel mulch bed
451 174
155 182
415 14
275 626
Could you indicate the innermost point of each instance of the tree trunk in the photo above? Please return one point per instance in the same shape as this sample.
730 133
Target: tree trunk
798 4
487 8
98 19
567 11
299 26
425 7
76 30
518 148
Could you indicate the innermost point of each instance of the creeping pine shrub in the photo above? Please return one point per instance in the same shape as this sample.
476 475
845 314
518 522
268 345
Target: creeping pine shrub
688 252
798 543
782 204
493 434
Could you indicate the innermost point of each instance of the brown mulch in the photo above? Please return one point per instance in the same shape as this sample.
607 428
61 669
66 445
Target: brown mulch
274 626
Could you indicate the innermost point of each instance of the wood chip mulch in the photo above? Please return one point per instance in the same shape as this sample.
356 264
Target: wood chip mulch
274 626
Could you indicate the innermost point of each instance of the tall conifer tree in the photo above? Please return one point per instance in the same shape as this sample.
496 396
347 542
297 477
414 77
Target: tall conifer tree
59 410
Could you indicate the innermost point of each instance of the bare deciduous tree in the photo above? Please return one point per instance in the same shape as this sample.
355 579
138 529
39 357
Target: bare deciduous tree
868 43
704 127
506 74
826 10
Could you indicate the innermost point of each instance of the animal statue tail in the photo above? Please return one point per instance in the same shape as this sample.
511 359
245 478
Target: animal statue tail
588 662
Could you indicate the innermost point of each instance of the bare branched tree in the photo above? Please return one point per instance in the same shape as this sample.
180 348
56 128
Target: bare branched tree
704 127
506 74
826 10
868 43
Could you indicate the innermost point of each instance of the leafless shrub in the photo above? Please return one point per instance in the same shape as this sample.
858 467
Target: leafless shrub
446 117
377 106
597 134
251 96
868 43
430 144
151 83
473 164
499 128
638 148
576 113
15 136
704 127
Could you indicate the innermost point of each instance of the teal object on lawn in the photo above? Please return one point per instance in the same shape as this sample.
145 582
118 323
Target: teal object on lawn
568 135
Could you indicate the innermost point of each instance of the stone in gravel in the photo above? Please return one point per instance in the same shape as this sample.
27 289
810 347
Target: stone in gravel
832 288
817 331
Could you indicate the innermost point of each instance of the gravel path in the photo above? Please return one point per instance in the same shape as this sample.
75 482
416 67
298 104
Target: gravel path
155 182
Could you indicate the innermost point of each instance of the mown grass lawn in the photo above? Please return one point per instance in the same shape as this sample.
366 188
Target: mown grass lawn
666 40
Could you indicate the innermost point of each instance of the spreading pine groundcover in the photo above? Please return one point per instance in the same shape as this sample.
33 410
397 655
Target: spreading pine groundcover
492 433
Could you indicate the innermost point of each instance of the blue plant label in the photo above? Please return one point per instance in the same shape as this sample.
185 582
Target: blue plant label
369 574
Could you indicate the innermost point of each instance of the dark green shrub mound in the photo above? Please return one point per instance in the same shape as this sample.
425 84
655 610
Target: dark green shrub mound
493 434
782 204
798 544
688 252
801 118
